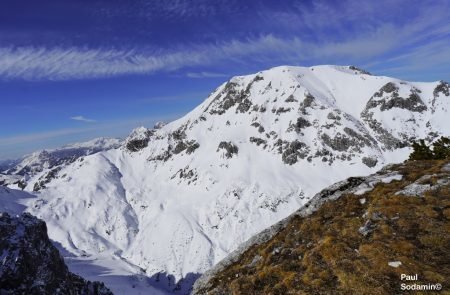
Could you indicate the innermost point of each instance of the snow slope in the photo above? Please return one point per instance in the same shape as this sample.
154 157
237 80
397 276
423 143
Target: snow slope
45 163
174 201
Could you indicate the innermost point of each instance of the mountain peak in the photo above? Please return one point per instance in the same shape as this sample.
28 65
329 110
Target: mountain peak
255 150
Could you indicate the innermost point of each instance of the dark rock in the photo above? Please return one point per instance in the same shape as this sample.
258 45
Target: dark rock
32 265
413 103
244 106
301 124
387 88
361 71
443 87
229 97
192 146
340 142
282 110
181 146
258 141
293 151
370 161
261 129
308 101
139 139
259 126
291 99
333 116
229 147
45 179
179 134
135 145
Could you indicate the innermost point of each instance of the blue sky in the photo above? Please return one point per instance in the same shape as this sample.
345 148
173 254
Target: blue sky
74 70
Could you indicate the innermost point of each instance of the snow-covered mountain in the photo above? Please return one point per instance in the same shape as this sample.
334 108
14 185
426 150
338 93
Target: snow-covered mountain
173 201
15 173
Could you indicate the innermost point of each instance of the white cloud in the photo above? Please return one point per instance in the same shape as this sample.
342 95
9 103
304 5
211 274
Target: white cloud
371 42
83 119
205 75
78 63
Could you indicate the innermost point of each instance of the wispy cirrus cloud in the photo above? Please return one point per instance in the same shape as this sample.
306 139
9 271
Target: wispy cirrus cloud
372 41
199 75
79 63
82 119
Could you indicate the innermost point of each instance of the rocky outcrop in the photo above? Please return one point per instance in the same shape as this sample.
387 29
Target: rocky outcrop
30 264
385 99
138 139
230 149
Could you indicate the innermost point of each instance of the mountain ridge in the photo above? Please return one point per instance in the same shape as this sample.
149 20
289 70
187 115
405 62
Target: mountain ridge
252 153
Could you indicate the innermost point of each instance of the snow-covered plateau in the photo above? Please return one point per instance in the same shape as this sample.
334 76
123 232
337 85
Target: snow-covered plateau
151 215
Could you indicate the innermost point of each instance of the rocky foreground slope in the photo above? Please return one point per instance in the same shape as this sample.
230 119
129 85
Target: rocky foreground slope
30 264
355 237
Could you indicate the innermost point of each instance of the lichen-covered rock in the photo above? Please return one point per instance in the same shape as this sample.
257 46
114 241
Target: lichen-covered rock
32 265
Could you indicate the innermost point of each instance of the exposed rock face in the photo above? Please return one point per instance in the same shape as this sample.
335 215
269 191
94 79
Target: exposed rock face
370 161
386 99
32 265
229 147
159 125
40 184
443 88
232 97
357 235
138 139
358 70
293 151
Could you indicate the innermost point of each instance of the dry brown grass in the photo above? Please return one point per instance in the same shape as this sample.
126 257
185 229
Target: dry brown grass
325 253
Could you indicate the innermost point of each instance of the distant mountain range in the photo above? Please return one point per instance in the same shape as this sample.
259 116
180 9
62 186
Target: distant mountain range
171 202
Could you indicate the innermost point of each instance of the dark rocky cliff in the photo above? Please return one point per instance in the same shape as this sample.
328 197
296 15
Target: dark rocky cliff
30 263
